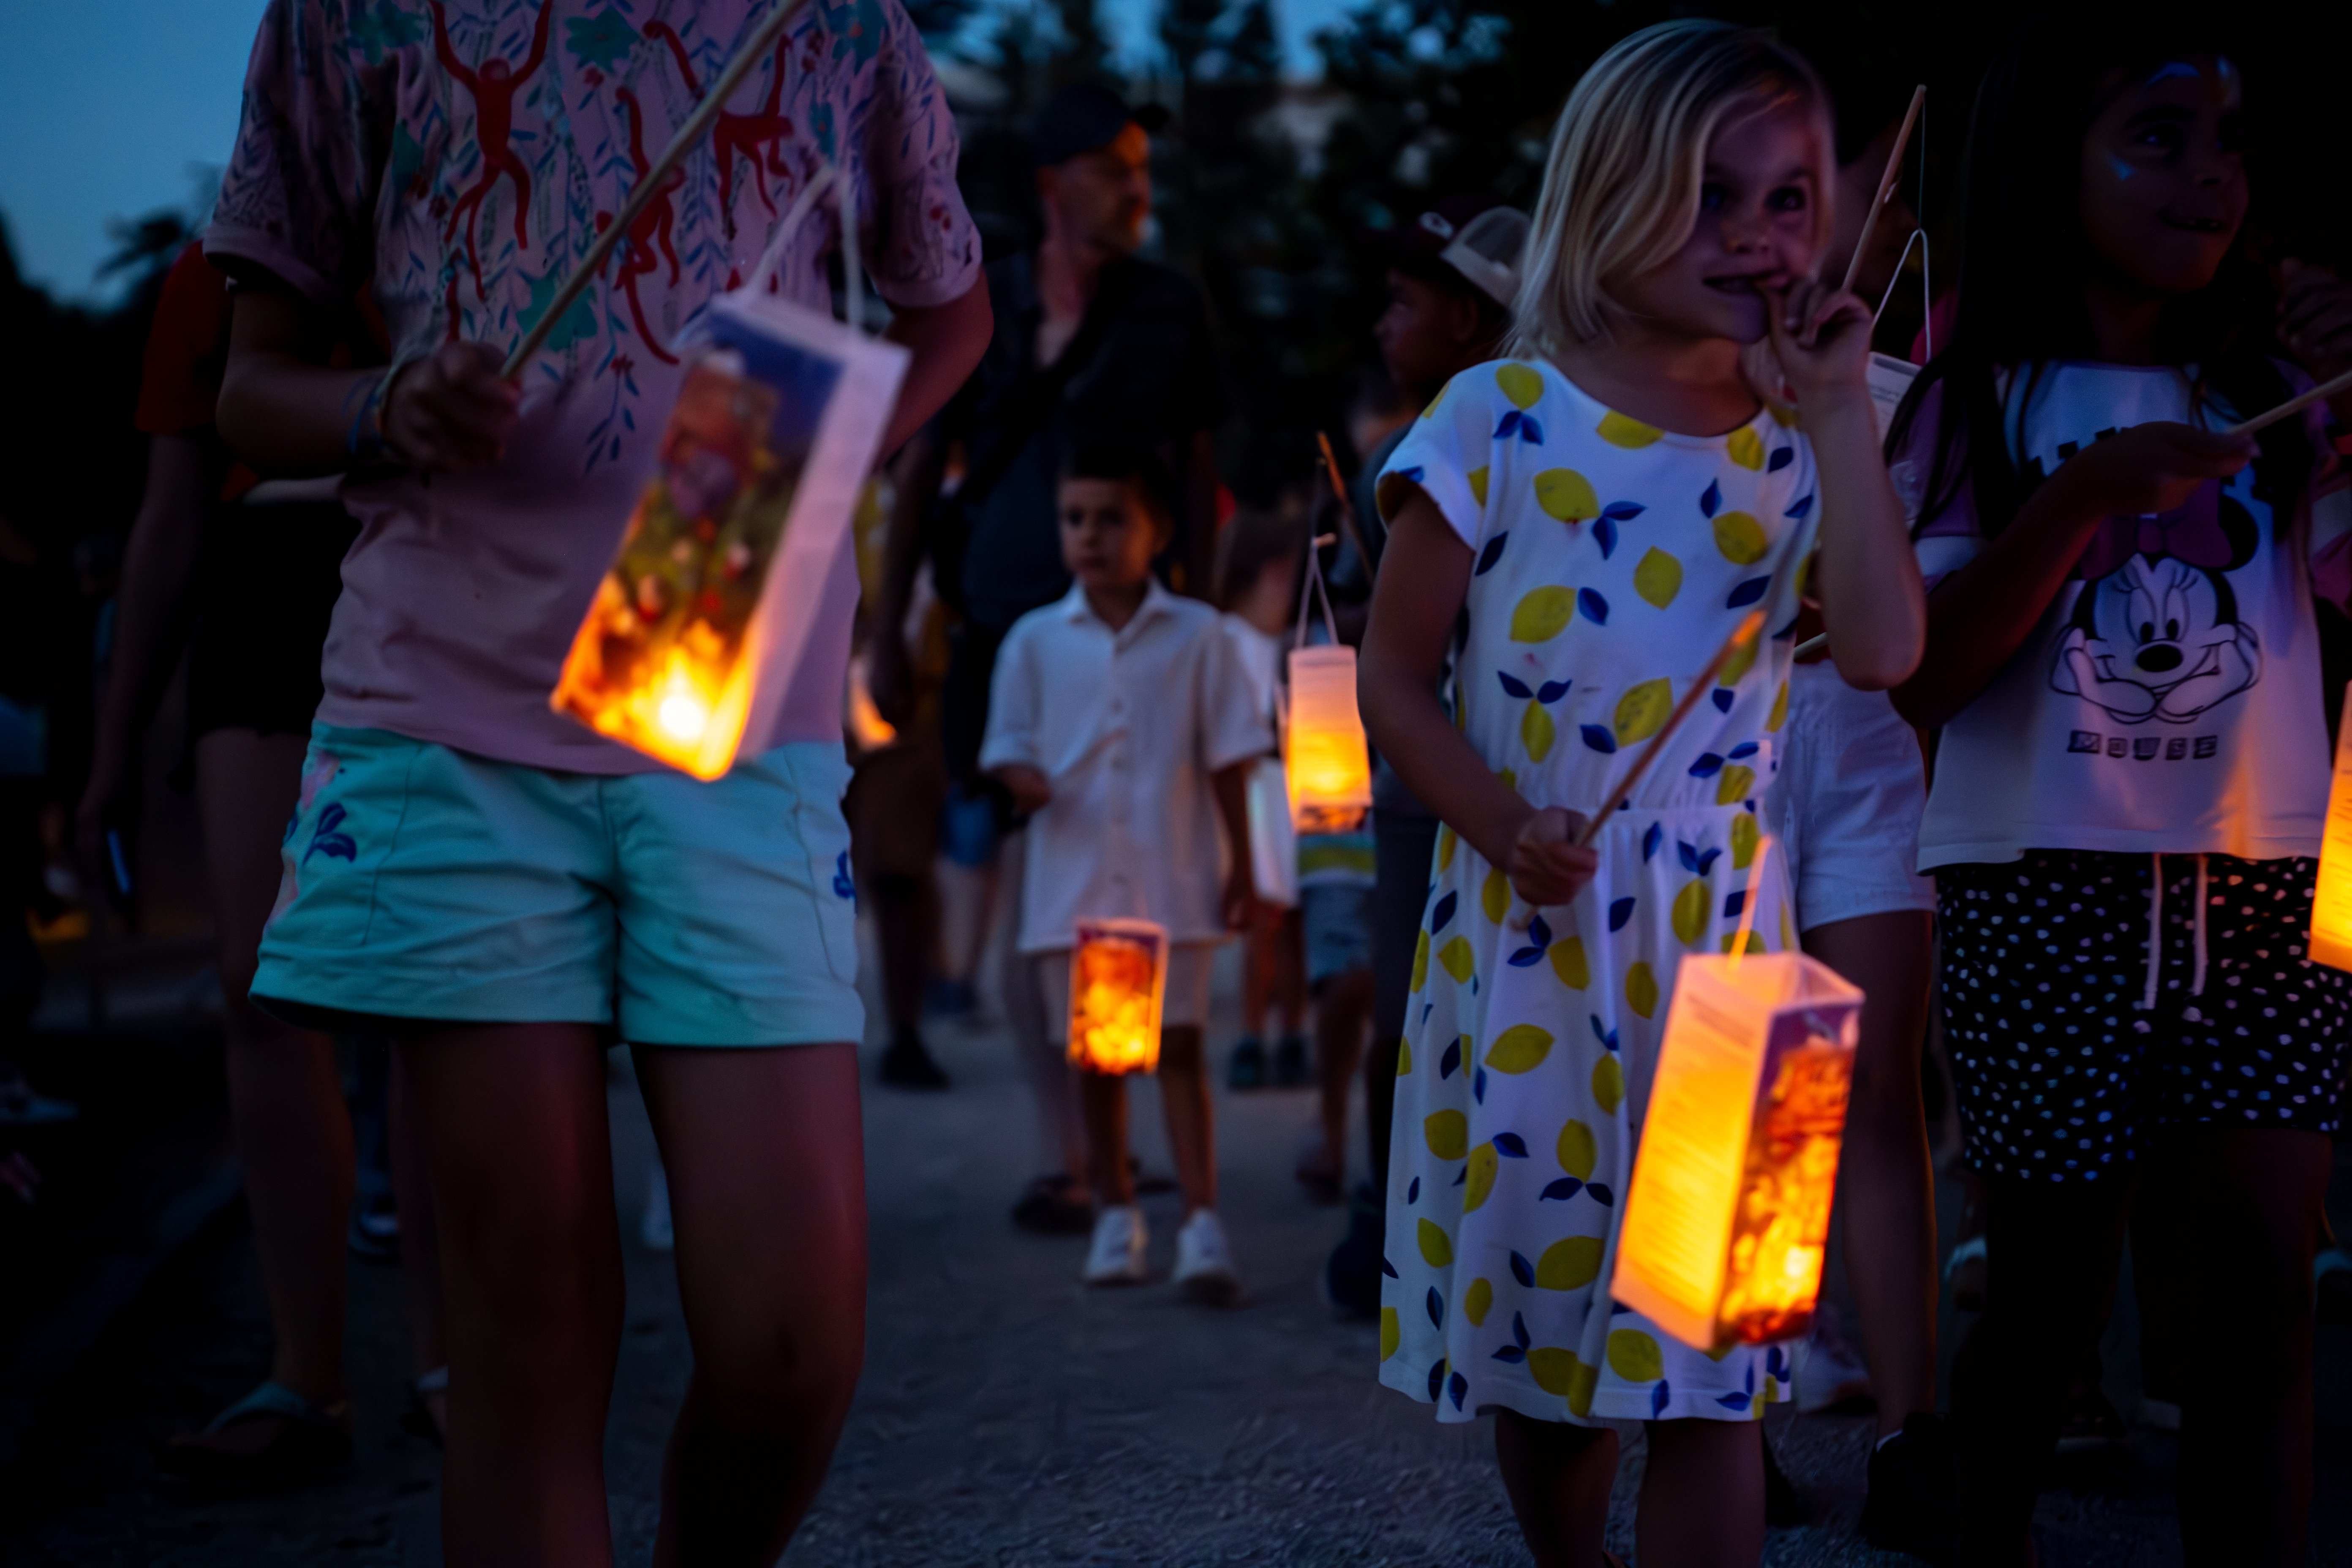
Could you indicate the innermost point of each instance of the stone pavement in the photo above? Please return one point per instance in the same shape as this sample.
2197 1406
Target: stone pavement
1008 1415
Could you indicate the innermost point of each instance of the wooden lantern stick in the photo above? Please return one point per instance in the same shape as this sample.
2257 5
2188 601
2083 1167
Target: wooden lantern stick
1886 184
649 183
1347 513
1749 630
1747 905
2294 405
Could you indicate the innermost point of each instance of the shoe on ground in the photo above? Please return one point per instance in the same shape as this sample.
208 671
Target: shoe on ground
1054 1206
1913 1504
1245 1068
653 1226
1204 1260
1352 1279
907 1064
273 1436
374 1230
1783 1508
1291 1067
1114 1257
2090 1423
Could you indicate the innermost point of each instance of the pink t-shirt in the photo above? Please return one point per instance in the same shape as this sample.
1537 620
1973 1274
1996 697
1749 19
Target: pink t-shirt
458 158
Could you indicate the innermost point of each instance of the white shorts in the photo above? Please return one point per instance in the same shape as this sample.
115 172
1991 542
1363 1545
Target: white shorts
1851 788
1185 1002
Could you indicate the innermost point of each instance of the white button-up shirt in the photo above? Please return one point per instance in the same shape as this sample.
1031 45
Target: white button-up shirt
1127 727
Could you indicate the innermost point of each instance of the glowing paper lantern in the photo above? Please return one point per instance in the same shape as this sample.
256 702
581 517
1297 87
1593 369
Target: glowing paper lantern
1118 976
1728 1218
1324 753
2331 901
706 611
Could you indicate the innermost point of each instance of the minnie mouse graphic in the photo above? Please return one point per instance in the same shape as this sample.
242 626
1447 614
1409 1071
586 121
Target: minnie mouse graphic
2155 632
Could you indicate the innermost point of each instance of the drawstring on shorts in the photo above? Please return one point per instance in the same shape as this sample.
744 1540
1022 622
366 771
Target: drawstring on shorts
2156 932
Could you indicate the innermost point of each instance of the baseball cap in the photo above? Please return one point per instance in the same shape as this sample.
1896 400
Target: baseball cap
1084 117
1477 238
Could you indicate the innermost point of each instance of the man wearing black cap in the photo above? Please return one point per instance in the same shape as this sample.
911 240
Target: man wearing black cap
1452 269
1092 346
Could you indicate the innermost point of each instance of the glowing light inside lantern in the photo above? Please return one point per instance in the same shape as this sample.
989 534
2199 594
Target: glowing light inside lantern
866 726
2331 902
1728 1217
1324 751
1119 977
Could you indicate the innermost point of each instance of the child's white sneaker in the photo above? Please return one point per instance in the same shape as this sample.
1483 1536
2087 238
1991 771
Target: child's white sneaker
1204 1260
1115 1255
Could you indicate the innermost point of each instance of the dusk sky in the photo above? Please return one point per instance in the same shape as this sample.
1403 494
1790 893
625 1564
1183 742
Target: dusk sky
109 110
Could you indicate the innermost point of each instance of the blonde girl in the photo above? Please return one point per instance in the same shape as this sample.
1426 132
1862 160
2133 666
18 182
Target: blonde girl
1607 504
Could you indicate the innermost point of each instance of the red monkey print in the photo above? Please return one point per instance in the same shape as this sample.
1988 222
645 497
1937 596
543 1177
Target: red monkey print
753 136
651 228
494 88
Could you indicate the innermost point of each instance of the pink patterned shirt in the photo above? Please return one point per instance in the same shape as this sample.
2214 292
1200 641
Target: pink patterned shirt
459 156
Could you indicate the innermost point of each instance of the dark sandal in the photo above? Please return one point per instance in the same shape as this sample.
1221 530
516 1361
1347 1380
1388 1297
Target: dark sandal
312 1440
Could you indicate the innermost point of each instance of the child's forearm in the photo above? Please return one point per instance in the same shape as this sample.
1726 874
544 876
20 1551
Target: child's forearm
946 342
1867 574
1231 785
282 408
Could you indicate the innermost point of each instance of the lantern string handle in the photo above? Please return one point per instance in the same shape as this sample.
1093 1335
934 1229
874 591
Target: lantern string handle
1314 585
1748 903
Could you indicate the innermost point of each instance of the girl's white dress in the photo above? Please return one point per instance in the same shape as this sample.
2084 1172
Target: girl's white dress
1612 559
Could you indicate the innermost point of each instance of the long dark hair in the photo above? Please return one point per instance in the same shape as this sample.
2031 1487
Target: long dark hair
2024 257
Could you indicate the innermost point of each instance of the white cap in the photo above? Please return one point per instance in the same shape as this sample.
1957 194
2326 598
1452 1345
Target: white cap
1486 251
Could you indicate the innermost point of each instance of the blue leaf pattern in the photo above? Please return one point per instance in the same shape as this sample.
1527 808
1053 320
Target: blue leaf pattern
1780 458
1620 912
1513 686
1491 554
1713 500
1651 840
1600 737
1551 691
1510 1143
1605 534
1592 607
1440 917
1451 1063
325 840
1748 593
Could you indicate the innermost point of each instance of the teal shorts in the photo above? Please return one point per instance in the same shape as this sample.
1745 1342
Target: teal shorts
426 885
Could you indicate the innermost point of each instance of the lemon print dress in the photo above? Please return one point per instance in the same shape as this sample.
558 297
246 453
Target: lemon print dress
1611 559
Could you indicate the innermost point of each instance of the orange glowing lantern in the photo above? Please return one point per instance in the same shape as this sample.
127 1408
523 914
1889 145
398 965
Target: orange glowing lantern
1119 977
1324 751
2331 901
707 610
1728 1218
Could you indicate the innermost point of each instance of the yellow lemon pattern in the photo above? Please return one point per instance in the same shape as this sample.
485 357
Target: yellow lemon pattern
1567 496
1543 615
1484 1162
1607 557
1658 578
1447 1132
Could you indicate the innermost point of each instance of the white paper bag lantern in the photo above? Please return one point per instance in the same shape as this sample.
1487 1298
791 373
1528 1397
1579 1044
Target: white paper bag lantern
1324 751
1726 1221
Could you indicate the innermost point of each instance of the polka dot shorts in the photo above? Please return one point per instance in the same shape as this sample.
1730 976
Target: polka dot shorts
2064 1054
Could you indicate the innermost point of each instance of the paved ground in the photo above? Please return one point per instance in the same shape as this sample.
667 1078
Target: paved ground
1007 1416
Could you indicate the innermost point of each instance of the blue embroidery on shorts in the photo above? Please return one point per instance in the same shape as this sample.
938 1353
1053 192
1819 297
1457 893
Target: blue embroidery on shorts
325 840
844 886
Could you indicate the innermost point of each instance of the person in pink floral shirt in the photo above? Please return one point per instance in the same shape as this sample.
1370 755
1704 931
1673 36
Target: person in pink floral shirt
503 888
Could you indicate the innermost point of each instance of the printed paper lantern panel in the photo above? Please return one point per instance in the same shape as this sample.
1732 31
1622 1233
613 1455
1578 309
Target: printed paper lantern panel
1728 1218
1119 979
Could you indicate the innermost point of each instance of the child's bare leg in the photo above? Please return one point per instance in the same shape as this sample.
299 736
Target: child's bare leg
773 1287
1557 1476
1702 1496
2246 1426
1886 1180
420 1246
517 1141
286 1097
1184 1094
1340 1014
1103 1097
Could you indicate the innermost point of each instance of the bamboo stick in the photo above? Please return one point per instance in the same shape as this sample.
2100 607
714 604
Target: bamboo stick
1346 511
689 135
2294 405
1749 630
1886 184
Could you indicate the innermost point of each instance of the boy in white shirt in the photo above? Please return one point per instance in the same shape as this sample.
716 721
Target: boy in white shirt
1123 724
